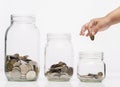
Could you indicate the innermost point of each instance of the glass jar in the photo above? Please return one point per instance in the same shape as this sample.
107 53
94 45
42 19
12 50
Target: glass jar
91 67
22 49
58 57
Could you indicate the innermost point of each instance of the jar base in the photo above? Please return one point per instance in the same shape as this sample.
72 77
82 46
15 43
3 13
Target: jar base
92 80
18 79
89 80
59 79
11 80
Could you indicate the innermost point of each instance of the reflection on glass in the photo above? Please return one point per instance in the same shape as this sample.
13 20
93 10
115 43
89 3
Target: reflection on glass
21 84
91 85
58 84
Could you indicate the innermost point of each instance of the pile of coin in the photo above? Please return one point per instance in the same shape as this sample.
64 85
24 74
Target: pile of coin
21 68
91 77
59 72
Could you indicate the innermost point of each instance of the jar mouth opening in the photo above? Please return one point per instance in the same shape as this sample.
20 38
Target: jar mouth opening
59 36
91 54
23 15
23 18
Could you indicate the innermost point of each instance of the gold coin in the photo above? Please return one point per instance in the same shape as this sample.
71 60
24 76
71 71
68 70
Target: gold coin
100 74
9 67
37 70
92 37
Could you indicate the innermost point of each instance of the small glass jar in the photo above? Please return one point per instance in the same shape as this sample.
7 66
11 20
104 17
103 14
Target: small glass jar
91 67
22 49
58 57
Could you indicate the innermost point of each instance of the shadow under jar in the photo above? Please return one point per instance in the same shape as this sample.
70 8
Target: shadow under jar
58 57
22 49
91 67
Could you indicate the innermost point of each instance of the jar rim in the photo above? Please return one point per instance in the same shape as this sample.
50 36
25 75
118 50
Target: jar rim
23 17
58 35
91 54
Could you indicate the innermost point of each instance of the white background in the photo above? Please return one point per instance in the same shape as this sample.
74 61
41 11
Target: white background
67 16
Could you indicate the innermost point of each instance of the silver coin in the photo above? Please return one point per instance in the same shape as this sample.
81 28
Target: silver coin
55 74
15 74
25 57
64 69
16 55
30 67
17 64
70 71
21 57
65 77
24 68
31 75
16 68
33 63
23 62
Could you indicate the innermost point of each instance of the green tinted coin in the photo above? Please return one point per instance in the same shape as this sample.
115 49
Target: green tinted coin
9 67
70 71
100 74
92 37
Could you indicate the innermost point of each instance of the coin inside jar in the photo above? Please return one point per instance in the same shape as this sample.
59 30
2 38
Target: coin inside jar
31 75
59 71
15 74
24 69
100 74
9 67
21 68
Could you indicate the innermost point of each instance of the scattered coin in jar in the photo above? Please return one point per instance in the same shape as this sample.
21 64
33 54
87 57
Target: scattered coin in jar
59 72
91 77
20 68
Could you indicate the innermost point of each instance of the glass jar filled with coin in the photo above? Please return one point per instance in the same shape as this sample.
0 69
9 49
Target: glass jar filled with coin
91 67
58 57
22 49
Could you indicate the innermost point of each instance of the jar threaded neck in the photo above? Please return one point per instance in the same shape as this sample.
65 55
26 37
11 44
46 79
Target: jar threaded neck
91 55
22 18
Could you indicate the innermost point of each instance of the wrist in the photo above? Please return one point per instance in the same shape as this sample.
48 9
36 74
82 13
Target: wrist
108 20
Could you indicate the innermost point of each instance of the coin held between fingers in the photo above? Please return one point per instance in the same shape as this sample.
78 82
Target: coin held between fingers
92 37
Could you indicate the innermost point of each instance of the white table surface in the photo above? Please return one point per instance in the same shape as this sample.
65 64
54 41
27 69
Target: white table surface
107 82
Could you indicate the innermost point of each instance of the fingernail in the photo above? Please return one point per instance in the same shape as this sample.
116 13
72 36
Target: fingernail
93 33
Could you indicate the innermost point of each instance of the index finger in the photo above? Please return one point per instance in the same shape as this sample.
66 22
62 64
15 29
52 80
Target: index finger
83 29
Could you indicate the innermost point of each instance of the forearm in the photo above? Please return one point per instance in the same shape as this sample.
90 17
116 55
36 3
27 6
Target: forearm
114 16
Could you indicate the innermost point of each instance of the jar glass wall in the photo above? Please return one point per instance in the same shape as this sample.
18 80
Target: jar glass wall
91 67
58 57
22 49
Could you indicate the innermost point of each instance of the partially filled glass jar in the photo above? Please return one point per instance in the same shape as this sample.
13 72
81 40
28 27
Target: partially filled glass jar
58 57
91 67
22 49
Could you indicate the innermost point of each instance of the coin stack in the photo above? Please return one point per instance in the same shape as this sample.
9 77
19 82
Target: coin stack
91 77
59 72
21 68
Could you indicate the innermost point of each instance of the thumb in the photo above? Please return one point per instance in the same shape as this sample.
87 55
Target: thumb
94 30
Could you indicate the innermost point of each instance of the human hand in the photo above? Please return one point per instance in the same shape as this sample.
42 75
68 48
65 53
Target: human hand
94 26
